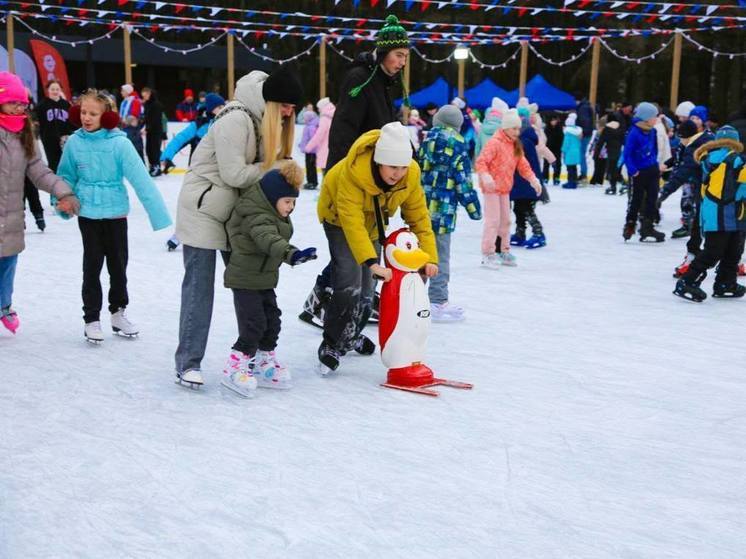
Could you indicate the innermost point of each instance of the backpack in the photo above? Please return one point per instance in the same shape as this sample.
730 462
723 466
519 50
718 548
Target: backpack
721 181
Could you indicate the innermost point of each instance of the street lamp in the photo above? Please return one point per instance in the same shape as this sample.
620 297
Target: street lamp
461 54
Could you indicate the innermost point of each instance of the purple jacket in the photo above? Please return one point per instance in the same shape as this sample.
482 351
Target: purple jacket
311 120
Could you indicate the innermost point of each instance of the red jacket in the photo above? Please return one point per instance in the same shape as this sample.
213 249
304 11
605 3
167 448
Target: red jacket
186 112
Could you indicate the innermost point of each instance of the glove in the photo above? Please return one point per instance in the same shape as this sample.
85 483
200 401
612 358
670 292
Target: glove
69 205
301 256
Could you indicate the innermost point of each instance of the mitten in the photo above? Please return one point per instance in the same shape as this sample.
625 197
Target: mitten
301 256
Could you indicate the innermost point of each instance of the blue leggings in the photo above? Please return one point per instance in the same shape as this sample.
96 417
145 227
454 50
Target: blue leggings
7 275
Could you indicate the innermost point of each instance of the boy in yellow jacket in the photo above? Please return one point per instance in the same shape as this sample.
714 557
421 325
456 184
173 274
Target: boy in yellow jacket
377 177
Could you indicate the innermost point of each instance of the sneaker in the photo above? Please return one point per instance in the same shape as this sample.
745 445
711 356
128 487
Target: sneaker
93 332
508 259
683 268
269 373
238 374
445 312
122 325
364 345
9 319
491 261
328 359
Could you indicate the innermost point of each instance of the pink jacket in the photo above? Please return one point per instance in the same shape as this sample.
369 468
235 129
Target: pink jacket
319 143
499 160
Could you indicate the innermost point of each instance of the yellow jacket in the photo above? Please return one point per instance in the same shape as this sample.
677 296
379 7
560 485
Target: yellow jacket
347 194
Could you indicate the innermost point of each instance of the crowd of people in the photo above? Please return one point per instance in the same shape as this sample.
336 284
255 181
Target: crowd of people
241 186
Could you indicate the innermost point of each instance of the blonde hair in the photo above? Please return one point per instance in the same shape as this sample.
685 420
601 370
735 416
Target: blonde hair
292 173
278 133
96 95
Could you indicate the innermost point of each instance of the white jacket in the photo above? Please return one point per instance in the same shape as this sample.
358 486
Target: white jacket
227 160
664 143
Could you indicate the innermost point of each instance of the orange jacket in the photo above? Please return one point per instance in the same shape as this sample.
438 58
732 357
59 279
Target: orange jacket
499 161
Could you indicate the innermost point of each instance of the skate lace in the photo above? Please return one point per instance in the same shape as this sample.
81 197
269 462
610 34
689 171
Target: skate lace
240 363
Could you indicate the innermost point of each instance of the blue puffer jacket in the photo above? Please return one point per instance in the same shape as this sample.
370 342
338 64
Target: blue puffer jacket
94 164
640 149
522 190
192 133
729 217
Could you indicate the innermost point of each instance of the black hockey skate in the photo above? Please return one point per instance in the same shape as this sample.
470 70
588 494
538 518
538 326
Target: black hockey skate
168 165
728 290
647 231
629 230
328 359
690 290
610 191
680 233
313 307
624 189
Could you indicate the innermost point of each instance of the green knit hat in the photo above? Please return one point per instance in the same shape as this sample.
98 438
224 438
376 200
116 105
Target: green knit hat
392 35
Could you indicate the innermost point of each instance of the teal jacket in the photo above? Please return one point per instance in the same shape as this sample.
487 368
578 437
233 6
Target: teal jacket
490 125
95 165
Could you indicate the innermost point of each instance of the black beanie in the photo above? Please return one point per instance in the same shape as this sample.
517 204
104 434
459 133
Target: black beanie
687 129
275 187
283 86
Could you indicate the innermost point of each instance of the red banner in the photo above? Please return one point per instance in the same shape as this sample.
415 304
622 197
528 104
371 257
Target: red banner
50 65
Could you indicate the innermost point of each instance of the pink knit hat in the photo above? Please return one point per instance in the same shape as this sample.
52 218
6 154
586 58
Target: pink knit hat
12 89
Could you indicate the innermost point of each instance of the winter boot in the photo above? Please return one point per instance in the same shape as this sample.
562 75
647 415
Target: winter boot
269 373
508 259
445 312
611 190
328 359
518 239
167 166
93 332
9 319
536 241
313 306
648 231
191 378
680 233
629 230
491 261
122 325
238 374
728 290
690 290
683 268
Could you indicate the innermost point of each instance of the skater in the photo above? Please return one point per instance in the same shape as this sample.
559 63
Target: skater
248 136
641 159
446 178
378 177
54 127
259 232
19 159
586 121
500 159
611 140
491 123
722 218
311 122
572 149
130 105
523 195
188 110
555 137
319 142
153 130
107 157
366 102
682 112
133 130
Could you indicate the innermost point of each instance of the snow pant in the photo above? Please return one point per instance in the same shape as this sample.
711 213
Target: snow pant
556 168
687 205
599 170
197 294
583 159
613 171
53 151
720 246
351 302
103 239
258 319
525 211
31 193
572 174
496 209
7 276
438 288
153 148
644 186
311 173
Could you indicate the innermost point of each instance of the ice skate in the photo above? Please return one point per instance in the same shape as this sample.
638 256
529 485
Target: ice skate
611 191
269 373
191 378
623 190
445 312
328 359
683 268
93 333
155 171
313 307
536 241
731 290
508 259
690 290
680 233
647 231
310 186
168 165
122 326
9 319
491 261
518 239
238 374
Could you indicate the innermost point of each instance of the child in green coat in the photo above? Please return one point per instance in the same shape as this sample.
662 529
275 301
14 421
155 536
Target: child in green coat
259 232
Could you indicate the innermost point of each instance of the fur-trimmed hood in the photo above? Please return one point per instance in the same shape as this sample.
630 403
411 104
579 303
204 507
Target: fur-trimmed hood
705 149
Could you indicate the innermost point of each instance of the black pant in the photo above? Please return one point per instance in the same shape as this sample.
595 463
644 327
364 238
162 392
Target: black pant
572 174
31 194
525 210
556 168
103 239
258 320
599 170
153 147
644 186
613 173
694 244
311 176
352 300
53 152
721 246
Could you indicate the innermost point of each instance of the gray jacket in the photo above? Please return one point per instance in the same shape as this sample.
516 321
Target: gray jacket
226 161
14 166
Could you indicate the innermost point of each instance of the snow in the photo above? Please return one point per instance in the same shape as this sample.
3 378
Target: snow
607 418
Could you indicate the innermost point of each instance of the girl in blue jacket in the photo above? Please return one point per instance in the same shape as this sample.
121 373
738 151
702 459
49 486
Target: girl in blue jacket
94 163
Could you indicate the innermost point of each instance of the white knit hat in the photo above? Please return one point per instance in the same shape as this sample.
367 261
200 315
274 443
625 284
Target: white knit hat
323 102
684 109
128 89
571 119
393 146
510 119
499 105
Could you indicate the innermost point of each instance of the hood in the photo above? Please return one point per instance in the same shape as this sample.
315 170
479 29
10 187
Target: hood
491 124
716 150
573 130
249 92
328 110
614 125
310 118
100 134
358 163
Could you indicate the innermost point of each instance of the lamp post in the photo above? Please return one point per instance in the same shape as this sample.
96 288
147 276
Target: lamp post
461 54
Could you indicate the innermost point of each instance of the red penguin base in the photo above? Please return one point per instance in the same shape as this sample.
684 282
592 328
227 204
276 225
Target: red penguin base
419 378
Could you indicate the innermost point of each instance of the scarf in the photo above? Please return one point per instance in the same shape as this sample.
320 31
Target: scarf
12 123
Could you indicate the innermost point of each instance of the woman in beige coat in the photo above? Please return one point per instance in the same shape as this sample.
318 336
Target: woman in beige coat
247 137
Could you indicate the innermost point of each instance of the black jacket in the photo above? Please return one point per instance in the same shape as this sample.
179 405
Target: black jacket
153 116
613 139
555 137
586 118
370 110
53 120
687 170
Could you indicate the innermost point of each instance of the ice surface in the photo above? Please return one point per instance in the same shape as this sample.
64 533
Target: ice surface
607 418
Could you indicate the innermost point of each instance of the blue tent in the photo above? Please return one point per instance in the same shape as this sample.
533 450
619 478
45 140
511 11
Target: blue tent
480 96
543 93
439 92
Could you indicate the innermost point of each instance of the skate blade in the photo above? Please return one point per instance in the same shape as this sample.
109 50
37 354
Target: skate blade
308 318
275 385
728 296
324 371
689 297
119 332
93 341
187 384
235 390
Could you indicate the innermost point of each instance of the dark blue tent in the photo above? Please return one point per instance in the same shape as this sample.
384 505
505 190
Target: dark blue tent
544 94
439 92
480 96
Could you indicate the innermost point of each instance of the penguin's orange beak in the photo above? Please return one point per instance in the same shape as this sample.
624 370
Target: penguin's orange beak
411 259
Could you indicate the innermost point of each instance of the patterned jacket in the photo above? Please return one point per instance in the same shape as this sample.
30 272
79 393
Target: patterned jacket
446 177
